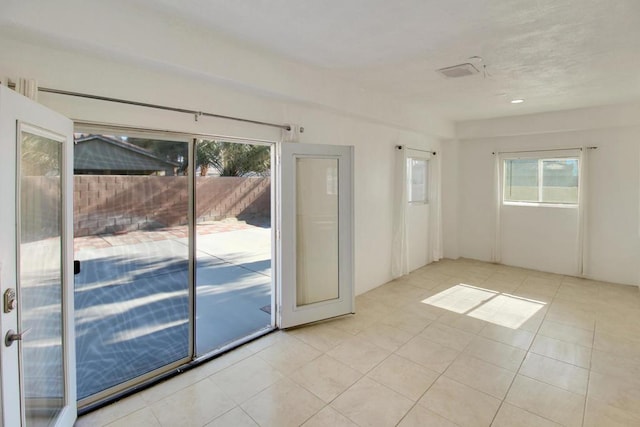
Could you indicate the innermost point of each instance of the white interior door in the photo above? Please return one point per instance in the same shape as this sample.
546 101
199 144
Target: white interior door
36 271
316 233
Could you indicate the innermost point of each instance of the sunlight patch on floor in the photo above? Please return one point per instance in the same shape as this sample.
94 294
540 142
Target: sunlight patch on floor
460 298
501 309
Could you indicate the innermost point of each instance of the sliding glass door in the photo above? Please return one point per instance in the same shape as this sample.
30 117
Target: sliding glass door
132 294
175 246
233 242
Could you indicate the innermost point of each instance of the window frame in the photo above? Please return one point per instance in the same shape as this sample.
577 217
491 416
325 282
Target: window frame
540 158
409 180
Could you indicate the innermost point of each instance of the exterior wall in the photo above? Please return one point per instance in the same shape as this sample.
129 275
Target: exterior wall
228 197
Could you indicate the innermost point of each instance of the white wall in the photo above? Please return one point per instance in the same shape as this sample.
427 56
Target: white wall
540 237
449 157
613 210
218 77
124 31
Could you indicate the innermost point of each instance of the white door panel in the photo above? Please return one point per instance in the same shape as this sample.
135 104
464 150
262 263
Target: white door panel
36 256
316 236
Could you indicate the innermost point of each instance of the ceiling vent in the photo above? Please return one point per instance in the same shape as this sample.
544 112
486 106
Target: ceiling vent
461 70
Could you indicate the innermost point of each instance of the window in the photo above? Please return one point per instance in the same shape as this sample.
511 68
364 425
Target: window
417 180
552 181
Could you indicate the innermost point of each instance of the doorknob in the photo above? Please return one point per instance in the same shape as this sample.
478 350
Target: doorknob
14 336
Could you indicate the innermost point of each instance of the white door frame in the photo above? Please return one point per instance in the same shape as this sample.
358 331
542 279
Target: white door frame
14 110
289 313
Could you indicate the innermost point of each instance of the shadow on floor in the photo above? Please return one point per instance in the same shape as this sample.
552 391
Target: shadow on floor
132 308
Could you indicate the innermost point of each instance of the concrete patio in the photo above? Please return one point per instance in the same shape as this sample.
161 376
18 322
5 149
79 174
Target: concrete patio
132 305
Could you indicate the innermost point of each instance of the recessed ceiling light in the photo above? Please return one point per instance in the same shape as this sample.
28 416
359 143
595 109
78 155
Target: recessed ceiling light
517 101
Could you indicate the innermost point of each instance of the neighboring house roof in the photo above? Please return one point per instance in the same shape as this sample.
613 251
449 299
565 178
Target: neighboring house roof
98 152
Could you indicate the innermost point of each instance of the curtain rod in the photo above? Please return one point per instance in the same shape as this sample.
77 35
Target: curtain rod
543 151
156 106
400 147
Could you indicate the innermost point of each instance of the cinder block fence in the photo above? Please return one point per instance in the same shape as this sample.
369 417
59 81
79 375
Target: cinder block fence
106 204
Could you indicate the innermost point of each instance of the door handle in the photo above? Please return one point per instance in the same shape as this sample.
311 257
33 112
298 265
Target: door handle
14 336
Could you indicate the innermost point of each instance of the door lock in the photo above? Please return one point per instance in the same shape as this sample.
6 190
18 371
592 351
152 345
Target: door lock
9 300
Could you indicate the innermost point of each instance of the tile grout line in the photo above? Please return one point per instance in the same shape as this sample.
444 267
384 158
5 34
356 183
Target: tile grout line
155 416
245 412
586 394
362 375
428 388
525 358
461 352
365 375
528 351
516 372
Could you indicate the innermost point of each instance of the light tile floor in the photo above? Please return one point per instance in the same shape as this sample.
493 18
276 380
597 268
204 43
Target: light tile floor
456 343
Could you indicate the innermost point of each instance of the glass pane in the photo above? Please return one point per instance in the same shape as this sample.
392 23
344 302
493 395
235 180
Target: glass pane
233 242
560 181
521 180
316 230
417 180
131 235
40 282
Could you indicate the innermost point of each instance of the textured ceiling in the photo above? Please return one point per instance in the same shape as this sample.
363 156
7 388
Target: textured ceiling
556 54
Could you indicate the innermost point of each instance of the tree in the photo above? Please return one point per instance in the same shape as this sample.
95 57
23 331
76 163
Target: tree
208 153
233 159
175 151
228 158
40 156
